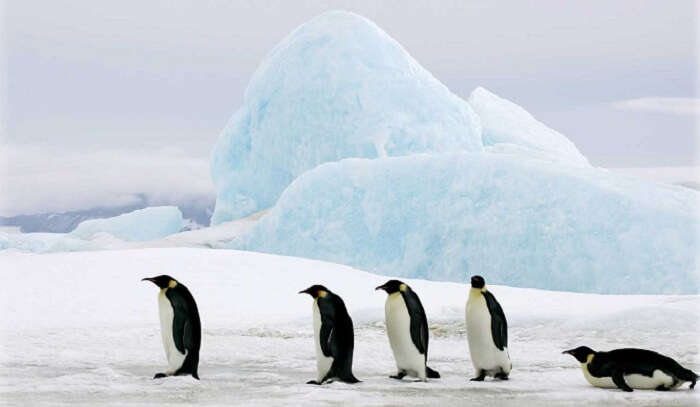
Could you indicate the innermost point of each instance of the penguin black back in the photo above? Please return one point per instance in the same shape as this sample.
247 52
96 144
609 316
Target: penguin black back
186 326
419 321
628 361
336 334
499 324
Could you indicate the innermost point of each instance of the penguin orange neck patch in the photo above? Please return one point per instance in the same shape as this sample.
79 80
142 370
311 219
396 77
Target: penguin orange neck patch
172 283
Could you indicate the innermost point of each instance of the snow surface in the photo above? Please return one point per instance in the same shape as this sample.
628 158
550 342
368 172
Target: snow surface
508 127
336 87
82 329
524 222
143 224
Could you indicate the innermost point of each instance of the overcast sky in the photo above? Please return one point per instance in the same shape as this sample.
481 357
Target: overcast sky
104 100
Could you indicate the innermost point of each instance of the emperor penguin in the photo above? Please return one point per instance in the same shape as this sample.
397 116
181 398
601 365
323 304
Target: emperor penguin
179 327
629 369
333 336
487 333
407 328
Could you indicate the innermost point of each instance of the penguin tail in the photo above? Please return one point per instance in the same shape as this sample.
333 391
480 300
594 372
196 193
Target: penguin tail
195 375
432 374
352 379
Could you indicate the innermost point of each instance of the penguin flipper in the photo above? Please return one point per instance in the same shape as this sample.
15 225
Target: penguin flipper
499 325
619 380
326 337
419 322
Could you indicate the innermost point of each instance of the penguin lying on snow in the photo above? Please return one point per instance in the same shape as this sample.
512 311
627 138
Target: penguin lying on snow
407 328
487 333
333 335
179 326
630 369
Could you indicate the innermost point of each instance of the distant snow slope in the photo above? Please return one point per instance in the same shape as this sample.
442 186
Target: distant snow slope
140 225
82 329
508 127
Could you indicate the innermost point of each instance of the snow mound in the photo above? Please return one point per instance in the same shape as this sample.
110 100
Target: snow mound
518 221
336 87
508 127
140 225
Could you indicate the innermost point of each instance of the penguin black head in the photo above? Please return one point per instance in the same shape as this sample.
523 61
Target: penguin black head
163 281
316 291
478 282
581 353
392 286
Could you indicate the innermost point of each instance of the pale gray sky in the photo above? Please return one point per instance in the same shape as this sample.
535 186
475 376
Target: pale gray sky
95 86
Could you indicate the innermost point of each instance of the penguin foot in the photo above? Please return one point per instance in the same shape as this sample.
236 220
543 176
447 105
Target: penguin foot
662 388
501 376
692 385
160 375
313 382
398 376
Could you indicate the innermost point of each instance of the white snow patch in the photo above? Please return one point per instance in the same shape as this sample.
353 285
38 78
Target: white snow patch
82 329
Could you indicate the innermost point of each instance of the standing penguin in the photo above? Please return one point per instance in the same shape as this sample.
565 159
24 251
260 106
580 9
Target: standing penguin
179 326
333 335
487 333
407 328
629 369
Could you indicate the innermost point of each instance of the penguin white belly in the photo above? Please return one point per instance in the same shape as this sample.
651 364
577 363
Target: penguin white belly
398 327
635 381
483 351
323 362
175 358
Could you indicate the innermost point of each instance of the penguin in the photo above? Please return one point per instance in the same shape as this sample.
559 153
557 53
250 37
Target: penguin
333 335
179 326
407 328
629 369
487 333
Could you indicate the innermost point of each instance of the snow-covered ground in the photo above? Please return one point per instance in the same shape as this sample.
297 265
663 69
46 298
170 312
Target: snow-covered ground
82 329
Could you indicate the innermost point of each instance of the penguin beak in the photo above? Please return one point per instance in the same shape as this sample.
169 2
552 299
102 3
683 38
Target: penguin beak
568 352
304 291
381 287
151 279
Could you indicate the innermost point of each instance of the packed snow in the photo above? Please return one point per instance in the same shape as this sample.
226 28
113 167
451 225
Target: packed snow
526 223
82 329
336 87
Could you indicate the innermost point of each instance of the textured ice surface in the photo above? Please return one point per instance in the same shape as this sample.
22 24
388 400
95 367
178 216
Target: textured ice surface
81 329
518 221
336 87
143 224
508 127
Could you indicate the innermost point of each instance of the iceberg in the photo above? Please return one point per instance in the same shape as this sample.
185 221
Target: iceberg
518 221
140 225
336 87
